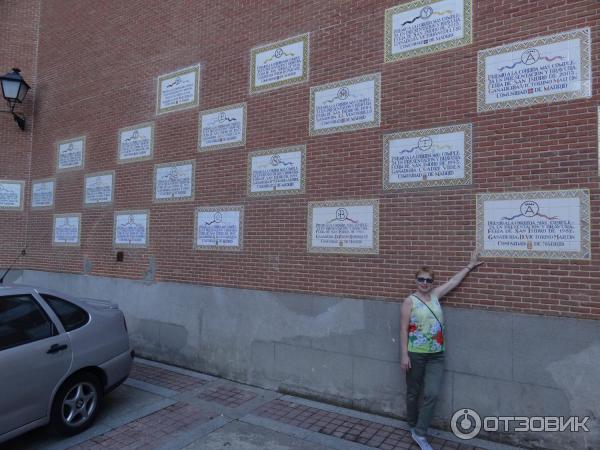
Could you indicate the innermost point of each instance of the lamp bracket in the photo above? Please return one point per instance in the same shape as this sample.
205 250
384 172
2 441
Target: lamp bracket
19 119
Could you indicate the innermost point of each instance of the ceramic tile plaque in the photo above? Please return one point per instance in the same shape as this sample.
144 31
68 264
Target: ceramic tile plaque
131 229
11 194
174 181
279 64
70 154
136 143
427 26
42 193
66 230
347 105
178 90
99 188
547 224
424 158
219 228
343 227
276 171
541 70
222 128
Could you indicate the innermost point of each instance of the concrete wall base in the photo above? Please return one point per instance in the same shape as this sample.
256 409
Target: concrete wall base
346 351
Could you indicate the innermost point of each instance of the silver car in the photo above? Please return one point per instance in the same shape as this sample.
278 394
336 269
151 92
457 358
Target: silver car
58 356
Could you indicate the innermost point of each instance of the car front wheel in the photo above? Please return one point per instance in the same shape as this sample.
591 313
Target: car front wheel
76 404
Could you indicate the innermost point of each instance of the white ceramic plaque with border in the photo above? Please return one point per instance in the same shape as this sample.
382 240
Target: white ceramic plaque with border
178 90
427 26
174 181
541 70
545 224
219 228
66 230
131 229
70 154
136 143
99 188
349 226
222 128
279 64
11 194
42 193
346 105
277 171
425 158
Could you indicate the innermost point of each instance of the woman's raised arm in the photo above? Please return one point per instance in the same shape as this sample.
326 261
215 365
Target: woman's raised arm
453 282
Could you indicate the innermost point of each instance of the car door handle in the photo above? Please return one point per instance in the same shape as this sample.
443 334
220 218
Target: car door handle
57 348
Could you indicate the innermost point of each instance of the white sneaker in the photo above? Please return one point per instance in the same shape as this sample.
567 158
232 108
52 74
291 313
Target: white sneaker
420 440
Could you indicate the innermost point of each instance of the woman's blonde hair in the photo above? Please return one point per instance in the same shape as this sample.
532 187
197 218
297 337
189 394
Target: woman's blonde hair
426 270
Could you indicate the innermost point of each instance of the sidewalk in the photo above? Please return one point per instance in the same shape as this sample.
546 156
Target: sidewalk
167 408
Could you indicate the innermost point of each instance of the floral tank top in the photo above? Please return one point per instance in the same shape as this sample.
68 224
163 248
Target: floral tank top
425 335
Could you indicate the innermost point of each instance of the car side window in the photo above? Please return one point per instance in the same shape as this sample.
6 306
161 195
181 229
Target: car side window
22 320
70 315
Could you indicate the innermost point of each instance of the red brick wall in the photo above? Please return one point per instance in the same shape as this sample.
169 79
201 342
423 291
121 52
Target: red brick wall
19 22
98 64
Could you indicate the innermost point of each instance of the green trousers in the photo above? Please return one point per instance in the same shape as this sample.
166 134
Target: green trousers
425 375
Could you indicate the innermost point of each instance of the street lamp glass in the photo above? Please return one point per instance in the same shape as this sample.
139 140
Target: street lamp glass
14 88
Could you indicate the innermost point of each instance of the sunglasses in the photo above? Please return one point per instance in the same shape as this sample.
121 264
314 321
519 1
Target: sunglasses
425 280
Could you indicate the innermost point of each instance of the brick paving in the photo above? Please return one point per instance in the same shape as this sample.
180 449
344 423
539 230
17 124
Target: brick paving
349 428
150 431
228 396
164 378
156 429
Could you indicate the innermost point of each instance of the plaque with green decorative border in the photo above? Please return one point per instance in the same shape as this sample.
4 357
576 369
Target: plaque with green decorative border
427 26
540 224
220 225
281 171
347 105
174 182
136 143
344 227
222 128
546 69
279 64
131 228
428 158
178 90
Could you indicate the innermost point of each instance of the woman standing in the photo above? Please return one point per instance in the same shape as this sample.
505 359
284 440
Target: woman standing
422 340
